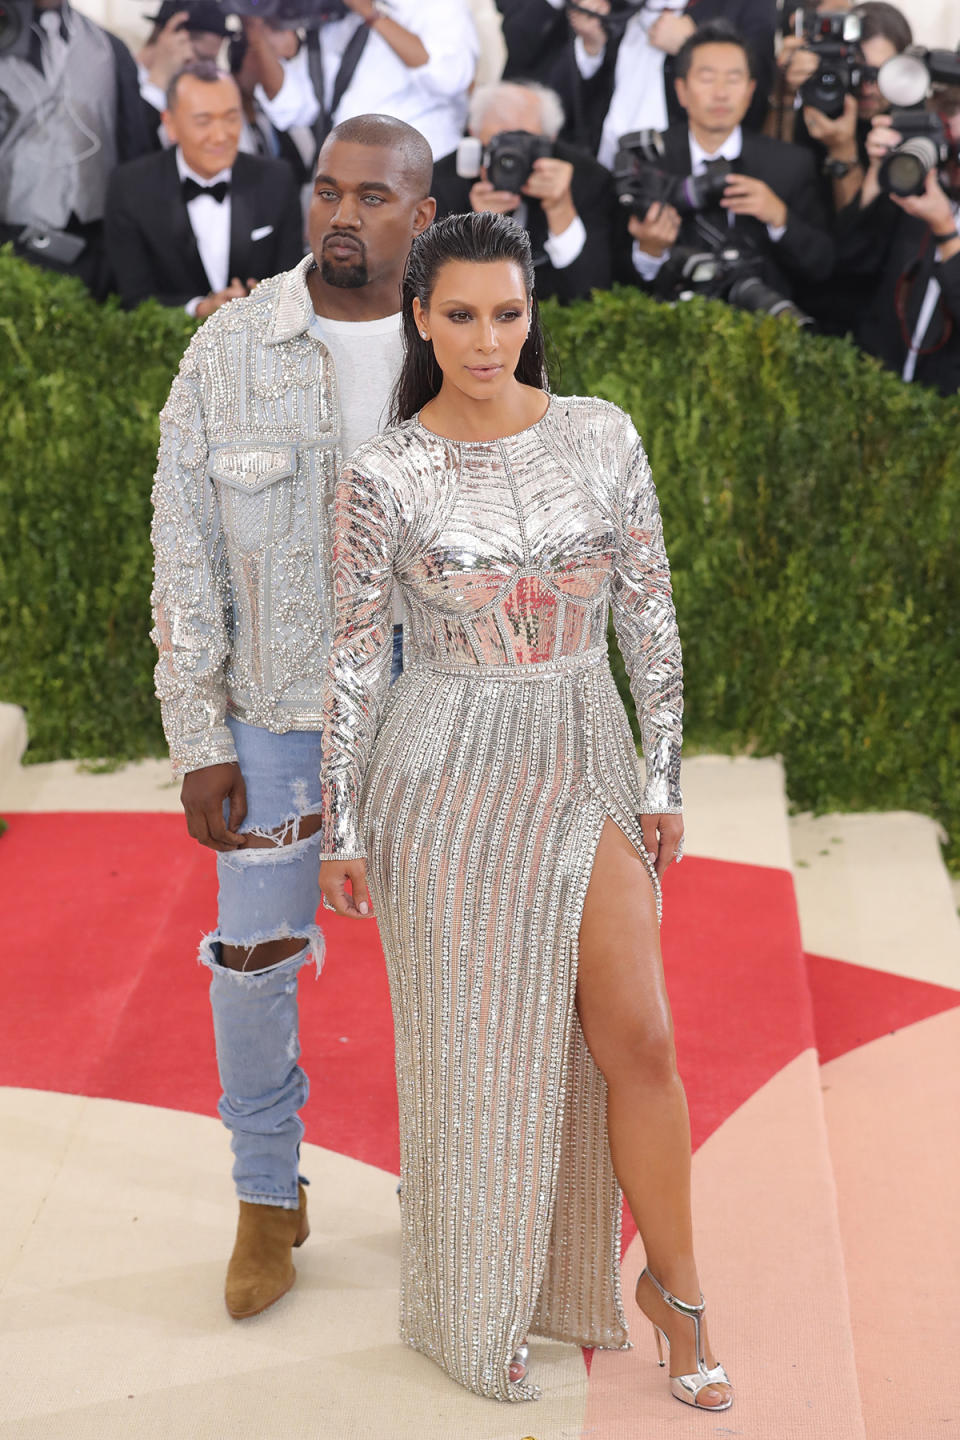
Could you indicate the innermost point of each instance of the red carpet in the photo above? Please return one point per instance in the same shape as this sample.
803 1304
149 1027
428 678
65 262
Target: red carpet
102 915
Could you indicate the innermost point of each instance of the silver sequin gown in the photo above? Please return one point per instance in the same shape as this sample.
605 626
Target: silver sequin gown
477 789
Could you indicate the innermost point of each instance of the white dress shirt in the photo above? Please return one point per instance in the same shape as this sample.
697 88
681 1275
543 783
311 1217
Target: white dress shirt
649 266
432 97
210 223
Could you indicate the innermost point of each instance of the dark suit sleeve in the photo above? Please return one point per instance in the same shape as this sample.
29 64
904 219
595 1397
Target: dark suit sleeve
593 199
807 247
133 136
529 28
290 246
864 236
132 273
948 273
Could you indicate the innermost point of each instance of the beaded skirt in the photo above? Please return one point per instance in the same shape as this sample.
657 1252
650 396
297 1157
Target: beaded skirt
481 829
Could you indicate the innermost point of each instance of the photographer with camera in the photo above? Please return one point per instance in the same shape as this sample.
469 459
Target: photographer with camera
70 111
903 233
183 31
412 59
755 194
627 53
200 224
829 93
514 165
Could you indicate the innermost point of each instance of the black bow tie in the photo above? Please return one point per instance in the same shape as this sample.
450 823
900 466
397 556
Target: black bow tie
190 190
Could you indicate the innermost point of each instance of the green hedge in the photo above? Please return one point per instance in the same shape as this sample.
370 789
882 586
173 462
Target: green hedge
811 506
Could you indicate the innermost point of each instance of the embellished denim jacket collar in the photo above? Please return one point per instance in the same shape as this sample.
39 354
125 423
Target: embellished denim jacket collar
294 306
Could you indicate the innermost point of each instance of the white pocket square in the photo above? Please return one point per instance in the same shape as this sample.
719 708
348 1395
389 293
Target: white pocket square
261 232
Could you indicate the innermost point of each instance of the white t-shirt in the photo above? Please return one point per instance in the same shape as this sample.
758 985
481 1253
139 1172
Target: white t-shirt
366 358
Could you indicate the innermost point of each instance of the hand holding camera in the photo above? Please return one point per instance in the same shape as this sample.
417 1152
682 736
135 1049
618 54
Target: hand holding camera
839 136
744 195
658 230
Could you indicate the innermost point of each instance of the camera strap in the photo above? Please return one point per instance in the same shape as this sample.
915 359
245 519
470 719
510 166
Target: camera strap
348 65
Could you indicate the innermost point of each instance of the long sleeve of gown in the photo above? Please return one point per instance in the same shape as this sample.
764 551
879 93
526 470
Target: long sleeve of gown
646 627
358 670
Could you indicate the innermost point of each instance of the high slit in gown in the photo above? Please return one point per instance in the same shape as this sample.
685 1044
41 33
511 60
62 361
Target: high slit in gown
476 789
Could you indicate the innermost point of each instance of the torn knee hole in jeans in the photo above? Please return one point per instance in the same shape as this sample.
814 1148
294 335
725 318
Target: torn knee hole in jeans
286 844
209 953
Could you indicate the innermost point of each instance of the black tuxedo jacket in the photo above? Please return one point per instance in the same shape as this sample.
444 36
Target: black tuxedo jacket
151 247
595 203
806 251
899 252
756 21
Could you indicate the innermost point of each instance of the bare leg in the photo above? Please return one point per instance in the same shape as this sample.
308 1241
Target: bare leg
625 1014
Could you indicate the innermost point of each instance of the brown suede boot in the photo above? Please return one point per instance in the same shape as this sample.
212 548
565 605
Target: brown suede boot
261 1267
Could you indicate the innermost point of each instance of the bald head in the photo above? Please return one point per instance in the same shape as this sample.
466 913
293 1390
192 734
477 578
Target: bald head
411 156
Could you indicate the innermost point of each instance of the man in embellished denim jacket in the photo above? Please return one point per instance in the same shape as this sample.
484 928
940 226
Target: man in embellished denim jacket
274 393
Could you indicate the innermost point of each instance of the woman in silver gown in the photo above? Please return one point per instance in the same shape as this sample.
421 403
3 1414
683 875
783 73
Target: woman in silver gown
494 803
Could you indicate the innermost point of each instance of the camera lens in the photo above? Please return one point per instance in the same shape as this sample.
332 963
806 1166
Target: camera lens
905 170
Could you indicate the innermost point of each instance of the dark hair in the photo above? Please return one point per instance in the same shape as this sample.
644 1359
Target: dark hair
479 239
713 32
206 70
877 18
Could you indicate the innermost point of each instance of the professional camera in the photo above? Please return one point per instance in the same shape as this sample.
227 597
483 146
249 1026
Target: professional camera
906 81
834 37
641 181
16 17
729 275
621 12
508 158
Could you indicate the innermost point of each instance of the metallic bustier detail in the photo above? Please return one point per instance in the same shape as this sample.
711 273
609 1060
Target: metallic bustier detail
510 554
249 456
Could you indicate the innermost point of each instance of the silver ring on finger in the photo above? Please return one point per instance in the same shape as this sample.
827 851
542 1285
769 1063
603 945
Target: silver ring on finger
679 854
327 906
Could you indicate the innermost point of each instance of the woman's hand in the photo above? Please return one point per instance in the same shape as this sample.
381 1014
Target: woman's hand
355 902
662 838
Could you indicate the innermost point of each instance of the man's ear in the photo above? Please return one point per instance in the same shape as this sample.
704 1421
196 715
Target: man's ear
680 85
424 214
169 124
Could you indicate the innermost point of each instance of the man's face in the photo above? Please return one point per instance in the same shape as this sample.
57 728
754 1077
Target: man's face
206 122
876 52
516 109
205 44
363 214
717 89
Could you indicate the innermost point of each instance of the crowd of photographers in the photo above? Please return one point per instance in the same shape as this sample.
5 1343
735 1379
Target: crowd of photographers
803 161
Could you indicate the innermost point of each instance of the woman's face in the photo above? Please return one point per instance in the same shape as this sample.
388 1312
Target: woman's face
477 318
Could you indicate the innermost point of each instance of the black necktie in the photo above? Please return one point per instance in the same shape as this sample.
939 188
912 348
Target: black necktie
190 190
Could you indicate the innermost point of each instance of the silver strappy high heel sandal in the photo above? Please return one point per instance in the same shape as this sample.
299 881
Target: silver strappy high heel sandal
688 1387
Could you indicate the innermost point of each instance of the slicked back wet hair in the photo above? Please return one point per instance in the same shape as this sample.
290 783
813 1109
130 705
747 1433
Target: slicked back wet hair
476 239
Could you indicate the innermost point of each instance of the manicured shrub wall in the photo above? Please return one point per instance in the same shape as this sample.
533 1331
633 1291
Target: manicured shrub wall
811 505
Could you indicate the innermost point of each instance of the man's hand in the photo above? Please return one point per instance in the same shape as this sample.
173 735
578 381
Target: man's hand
499 202
550 182
933 206
335 876
590 31
670 31
839 136
657 231
171 50
746 196
202 795
216 298
796 64
881 139
661 837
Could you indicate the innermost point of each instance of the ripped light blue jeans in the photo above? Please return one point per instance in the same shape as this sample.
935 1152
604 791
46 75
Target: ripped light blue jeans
268 894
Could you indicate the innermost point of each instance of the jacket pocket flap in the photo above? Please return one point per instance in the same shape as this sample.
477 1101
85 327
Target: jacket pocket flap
251 467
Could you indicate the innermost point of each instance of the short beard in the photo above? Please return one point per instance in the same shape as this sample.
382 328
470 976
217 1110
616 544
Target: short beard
345 277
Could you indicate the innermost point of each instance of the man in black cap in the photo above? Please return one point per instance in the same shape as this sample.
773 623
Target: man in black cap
182 33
